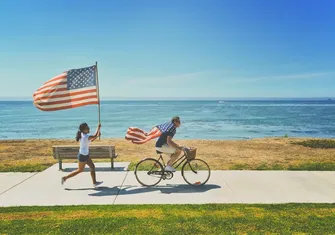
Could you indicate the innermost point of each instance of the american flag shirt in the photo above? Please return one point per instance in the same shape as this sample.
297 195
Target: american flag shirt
167 129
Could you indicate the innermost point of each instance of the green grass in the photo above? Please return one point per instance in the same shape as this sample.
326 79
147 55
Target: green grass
146 167
305 166
240 166
170 219
313 166
319 144
36 167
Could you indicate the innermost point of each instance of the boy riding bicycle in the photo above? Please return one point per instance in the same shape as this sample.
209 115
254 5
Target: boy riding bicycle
166 145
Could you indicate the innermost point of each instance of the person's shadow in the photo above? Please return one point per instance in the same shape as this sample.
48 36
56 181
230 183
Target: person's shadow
97 169
128 189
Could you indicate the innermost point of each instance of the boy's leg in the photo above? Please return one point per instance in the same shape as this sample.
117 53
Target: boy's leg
174 157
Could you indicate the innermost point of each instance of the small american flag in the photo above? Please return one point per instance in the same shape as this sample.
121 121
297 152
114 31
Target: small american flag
71 89
138 136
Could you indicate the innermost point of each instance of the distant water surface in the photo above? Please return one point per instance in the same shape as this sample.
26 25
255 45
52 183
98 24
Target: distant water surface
200 119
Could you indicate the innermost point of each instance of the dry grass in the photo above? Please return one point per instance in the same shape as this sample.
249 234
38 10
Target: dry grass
269 153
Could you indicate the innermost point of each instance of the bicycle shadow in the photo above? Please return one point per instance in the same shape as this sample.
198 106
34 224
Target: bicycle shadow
129 190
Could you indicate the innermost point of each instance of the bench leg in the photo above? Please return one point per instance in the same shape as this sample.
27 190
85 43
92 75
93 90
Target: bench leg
112 163
60 164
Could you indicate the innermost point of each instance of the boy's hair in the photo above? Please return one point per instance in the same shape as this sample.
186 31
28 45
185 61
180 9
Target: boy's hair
176 118
81 128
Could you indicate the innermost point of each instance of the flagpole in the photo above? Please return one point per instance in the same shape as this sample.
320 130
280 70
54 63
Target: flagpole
98 94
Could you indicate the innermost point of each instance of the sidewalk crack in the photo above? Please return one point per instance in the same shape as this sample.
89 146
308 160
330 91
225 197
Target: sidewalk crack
19 183
120 187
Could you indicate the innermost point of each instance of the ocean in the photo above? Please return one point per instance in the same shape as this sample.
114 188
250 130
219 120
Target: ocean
200 119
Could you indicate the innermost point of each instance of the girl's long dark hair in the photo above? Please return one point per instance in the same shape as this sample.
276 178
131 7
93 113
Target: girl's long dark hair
82 127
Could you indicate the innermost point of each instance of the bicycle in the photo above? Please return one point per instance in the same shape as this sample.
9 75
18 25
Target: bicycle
196 172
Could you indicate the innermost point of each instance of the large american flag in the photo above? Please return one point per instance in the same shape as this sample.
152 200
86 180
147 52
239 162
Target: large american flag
71 89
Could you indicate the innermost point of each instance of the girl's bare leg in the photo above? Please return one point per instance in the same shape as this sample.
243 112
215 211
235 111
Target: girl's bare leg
81 166
92 167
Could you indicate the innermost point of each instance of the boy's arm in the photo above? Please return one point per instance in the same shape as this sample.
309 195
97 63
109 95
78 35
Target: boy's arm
171 143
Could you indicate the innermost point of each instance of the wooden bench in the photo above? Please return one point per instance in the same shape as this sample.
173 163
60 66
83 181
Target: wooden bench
71 152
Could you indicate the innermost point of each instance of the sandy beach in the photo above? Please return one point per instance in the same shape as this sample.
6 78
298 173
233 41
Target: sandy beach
260 154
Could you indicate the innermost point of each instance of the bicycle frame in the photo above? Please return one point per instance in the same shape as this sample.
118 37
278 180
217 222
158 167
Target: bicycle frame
177 163
161 173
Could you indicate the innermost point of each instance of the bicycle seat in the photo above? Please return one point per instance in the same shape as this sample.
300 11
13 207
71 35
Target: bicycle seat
158 152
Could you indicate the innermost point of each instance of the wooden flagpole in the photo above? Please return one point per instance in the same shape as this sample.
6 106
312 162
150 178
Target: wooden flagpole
98 94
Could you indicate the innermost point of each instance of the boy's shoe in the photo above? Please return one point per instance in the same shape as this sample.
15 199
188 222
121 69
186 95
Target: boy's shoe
170 168
63 180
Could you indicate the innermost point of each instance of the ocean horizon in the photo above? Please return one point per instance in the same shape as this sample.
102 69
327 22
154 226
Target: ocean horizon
192 99
222 118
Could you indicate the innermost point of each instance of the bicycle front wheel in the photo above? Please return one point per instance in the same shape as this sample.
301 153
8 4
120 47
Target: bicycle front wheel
196 172
149 172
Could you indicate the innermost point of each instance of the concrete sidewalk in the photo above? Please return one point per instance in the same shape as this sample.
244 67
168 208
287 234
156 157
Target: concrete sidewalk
121 187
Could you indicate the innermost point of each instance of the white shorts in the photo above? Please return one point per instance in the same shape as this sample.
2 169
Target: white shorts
166 149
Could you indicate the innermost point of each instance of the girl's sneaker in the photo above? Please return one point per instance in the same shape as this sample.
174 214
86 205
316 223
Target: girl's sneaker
97 184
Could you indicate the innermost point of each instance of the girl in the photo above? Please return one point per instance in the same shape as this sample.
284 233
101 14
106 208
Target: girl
83 155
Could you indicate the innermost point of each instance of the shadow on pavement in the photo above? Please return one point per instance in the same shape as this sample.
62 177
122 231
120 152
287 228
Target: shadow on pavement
128 190
87 169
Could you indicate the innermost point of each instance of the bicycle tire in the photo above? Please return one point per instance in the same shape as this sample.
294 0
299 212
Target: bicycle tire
136 171
188 162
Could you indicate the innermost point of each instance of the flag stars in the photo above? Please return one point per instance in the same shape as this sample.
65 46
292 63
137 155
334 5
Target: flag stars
81 78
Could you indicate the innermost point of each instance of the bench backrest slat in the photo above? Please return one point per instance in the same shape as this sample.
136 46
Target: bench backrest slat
71 152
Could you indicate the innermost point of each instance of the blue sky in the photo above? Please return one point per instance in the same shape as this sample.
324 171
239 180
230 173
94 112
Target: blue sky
174 49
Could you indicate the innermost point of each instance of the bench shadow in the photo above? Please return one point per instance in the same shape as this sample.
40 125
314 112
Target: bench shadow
87 169
129 190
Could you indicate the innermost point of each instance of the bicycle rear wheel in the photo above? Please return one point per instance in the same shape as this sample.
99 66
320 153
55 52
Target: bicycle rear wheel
196 172
149 172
